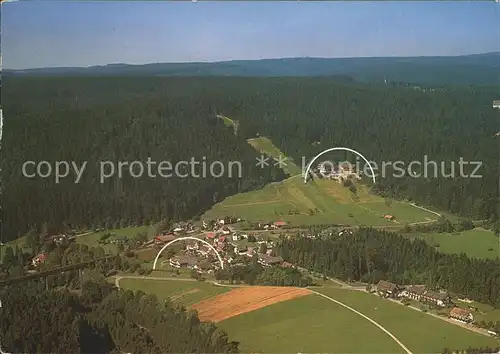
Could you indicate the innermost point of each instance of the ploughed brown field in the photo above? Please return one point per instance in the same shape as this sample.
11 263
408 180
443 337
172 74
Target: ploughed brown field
245 299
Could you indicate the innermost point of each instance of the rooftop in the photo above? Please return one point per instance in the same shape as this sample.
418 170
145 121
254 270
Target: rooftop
436 295
417 289
270 259
165 238
280 223
457 311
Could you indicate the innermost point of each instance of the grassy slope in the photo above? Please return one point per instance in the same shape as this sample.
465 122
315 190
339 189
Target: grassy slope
92 240
264 145
228 122
474 243
335 203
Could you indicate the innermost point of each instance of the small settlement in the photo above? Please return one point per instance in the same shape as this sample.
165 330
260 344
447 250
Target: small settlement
220 236
336 172
439 299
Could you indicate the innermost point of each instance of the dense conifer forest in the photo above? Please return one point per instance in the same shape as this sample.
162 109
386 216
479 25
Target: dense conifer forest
79 311
165 118
102 120
101 319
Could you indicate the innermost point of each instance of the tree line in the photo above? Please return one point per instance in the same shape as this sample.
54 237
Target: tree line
370 255
253 273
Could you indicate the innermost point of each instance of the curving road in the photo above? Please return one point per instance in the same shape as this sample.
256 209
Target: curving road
393 337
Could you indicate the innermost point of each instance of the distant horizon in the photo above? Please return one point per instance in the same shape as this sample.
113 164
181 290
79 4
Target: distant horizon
236 60
78 34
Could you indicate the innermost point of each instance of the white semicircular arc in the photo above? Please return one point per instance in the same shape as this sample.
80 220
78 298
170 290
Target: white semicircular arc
188 238
334 149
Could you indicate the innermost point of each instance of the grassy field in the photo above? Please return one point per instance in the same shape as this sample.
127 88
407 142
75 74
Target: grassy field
92 239
478 242
308 324
183 292
420 332
314 324
317 202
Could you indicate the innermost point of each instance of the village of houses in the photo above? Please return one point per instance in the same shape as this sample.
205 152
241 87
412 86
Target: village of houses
225 239
234 246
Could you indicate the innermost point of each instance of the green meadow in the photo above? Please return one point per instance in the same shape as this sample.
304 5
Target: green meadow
478 242
317 202
315 324
185 292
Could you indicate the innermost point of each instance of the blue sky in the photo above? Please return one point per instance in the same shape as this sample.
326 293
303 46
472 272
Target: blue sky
48 34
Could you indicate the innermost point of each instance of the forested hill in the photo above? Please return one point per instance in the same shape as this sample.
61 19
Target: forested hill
304 116
467 69
100 120
96 119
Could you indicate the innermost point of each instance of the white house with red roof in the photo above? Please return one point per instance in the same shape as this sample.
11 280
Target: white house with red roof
39 259
211 235
160 239
280 223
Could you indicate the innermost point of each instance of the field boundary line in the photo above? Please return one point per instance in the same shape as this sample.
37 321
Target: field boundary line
367 318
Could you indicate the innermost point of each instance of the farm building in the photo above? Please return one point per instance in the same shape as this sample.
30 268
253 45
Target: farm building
461 314
419 293
250 251
192 246
119 240
279 223
203 267
436 297
164 239
210 235
204 250
240 250
414 292
267 260
387 289
39 259
183 261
